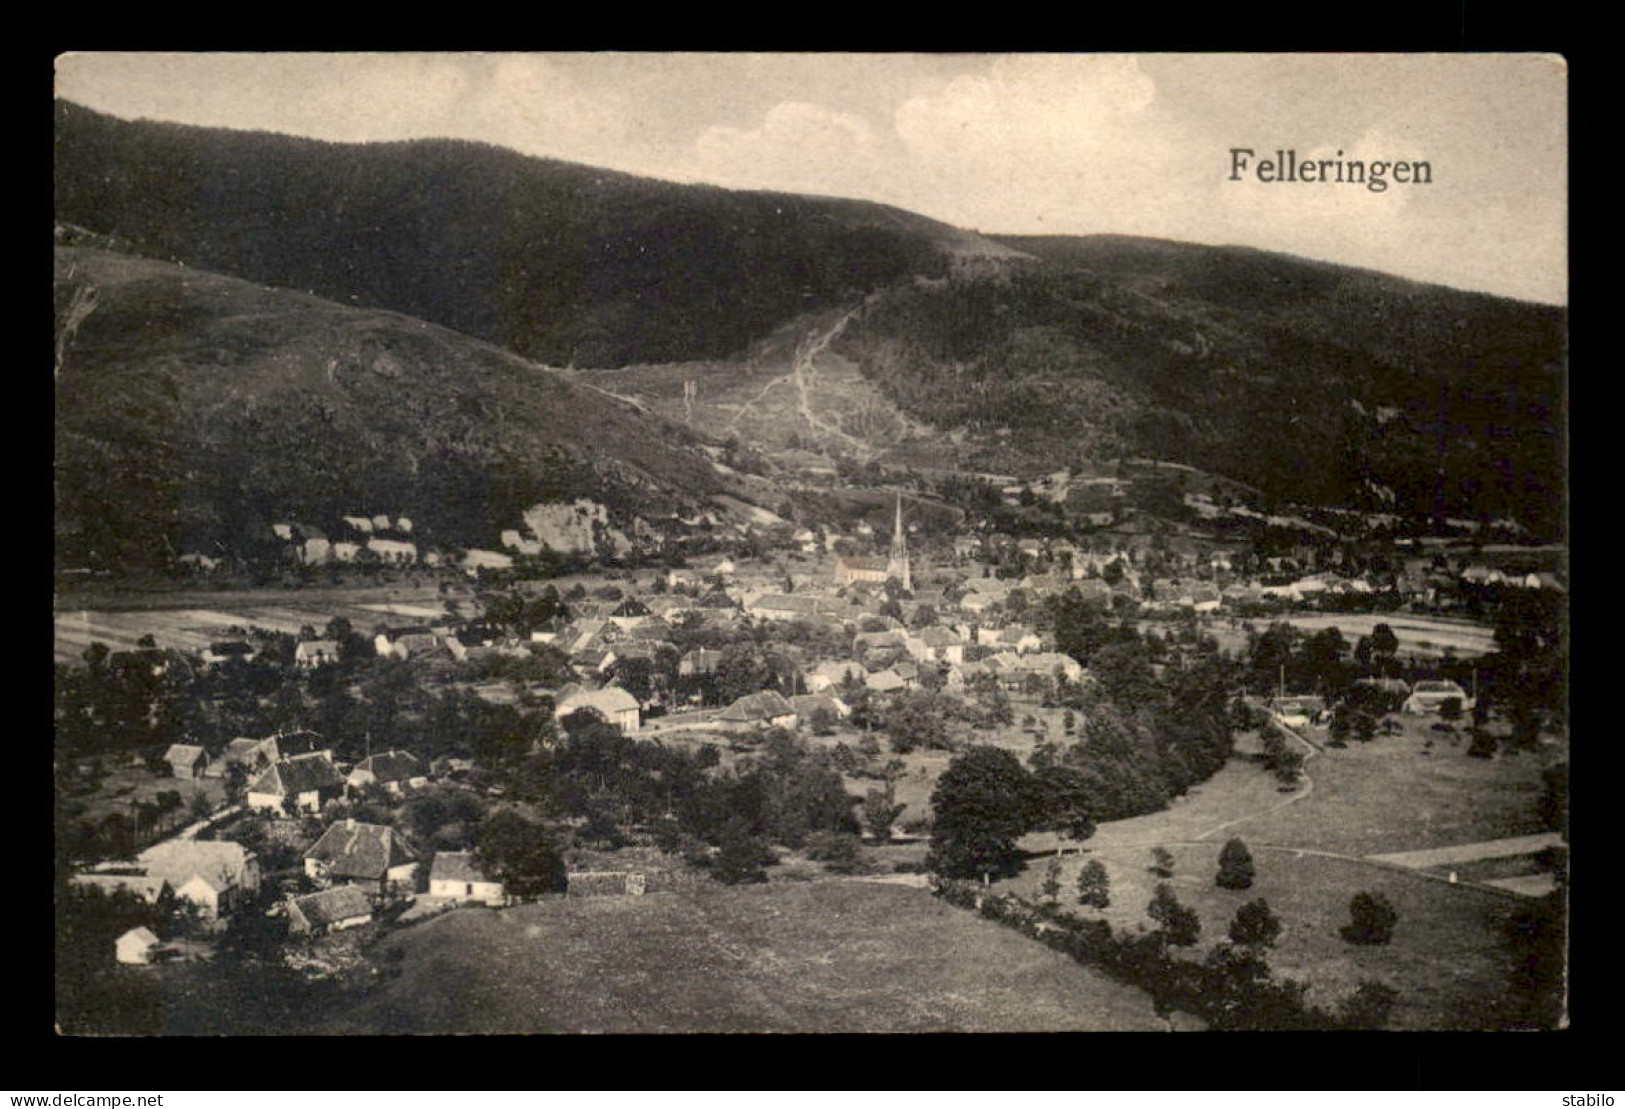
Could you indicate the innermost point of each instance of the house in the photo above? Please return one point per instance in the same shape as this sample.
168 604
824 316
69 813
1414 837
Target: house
783 606
218 654
316 652
830 675
405 643
360 523
136 947
701 660
396 771
371 856
613 704
458 875
215 875
393 550
310 780
766 709
329 910
1015 638
628 613
186 760
941 645
476 560
345 551
1428 696
806 704
885 681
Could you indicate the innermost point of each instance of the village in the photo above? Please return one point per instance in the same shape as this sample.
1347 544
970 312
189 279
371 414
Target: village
469 748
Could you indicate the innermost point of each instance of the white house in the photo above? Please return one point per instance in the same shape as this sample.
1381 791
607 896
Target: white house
393 550
136 947
215 875
614 704
457 875
311 780
316 652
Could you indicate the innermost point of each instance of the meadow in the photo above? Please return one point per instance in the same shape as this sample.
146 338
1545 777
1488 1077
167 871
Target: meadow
847 956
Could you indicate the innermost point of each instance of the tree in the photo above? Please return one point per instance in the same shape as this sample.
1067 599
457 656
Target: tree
1364 726
1483 745
982 805
1094 885
742 858
838 851
1052 881
1180 926
1235 866
1254 925
1371 919
822 721
1162 862
520 853
880 812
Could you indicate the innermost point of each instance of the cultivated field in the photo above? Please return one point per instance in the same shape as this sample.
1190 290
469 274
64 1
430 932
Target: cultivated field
816 957
191 620
1422 636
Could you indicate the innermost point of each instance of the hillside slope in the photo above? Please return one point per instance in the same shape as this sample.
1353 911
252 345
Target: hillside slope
192 409
1315 382
562 263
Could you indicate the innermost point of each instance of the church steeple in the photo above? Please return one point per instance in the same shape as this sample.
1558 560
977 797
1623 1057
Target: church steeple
897 567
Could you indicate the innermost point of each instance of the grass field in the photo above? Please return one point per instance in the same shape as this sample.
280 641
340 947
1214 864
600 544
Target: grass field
1419 635
1387 795
191 620
1446 960
824 957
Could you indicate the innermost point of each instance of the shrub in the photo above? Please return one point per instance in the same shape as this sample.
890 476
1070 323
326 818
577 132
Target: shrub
1254 925
1094 885
1180 926
1367 1008
839 852
1162 862
1235 867
1372 919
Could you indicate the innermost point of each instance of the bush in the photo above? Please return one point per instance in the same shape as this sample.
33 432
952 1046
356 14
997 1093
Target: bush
1094 885
1162 862
839 852
1367 1008
1235 867
1254 925
1180 926
1372 919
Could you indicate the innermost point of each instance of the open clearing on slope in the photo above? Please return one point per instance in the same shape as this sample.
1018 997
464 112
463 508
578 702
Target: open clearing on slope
1447 960
819 957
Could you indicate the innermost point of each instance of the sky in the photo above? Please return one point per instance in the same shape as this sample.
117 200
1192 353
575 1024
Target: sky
1071 144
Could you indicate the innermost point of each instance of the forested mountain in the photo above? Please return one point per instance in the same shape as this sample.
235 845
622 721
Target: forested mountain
1314 382
563 263
192 410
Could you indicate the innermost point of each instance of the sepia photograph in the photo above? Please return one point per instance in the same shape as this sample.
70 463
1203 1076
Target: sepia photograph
674 542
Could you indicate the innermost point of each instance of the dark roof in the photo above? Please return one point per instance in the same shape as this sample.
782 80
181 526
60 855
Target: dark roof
331 906
300 774
758 706
631 607
234 647
352 849
392 766
456 866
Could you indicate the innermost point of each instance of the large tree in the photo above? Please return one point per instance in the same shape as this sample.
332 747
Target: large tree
520 853
981 805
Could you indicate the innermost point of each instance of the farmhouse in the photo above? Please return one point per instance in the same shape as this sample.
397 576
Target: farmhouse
316 652
136 947
310 780
394 770
766 709
458 875
330 910
215 875
186 760
808 703
372 856
615 705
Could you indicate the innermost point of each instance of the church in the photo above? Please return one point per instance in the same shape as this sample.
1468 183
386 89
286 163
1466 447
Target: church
872 568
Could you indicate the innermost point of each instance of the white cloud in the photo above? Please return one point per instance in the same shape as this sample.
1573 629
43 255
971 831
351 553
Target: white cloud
798 147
